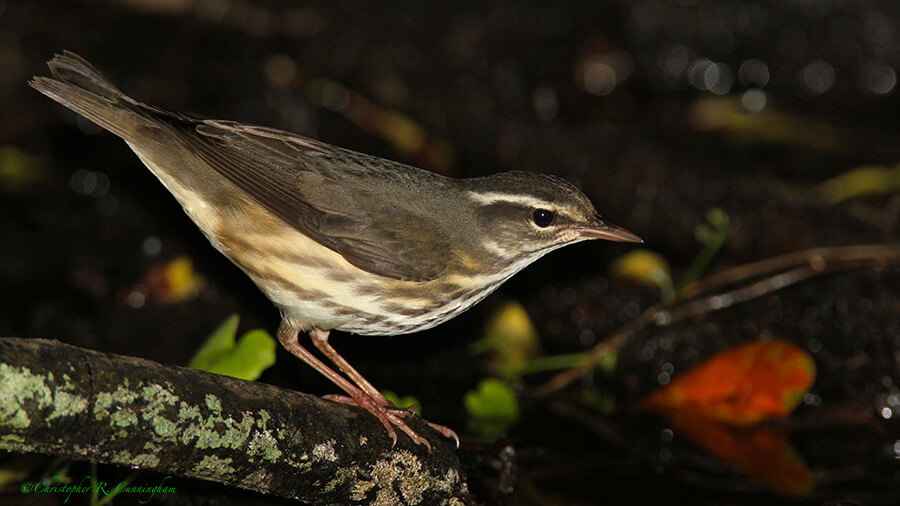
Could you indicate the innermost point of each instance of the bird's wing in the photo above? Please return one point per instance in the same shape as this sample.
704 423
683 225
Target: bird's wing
317 189
312 186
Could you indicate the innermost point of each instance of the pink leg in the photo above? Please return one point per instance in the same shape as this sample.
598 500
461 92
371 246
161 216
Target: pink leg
288 336
320 340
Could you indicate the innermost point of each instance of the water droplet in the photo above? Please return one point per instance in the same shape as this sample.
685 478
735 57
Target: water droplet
753 72
600 79
877 78
137 298
663 379
753 100
816 78
151 246
546 105
814 346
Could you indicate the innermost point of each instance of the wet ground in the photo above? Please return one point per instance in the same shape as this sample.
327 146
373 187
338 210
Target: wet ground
659 110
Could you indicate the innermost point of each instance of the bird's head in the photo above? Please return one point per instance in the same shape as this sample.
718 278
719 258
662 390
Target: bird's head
525 215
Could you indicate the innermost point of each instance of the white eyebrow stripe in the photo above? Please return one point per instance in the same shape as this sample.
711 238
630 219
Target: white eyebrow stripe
494 197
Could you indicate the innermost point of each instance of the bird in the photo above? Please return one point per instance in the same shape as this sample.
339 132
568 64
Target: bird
336 239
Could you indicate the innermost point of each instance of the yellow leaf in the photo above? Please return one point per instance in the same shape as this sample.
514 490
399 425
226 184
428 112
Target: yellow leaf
644 267
513 337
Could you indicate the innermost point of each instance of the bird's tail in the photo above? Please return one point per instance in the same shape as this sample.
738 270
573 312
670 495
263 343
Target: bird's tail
77 85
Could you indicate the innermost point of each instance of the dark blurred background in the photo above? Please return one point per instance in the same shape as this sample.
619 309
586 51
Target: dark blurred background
781 115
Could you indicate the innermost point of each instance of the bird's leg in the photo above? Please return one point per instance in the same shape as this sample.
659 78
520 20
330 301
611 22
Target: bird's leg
288 337
320 340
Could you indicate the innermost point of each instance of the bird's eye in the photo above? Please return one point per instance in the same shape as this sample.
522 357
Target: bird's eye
542 217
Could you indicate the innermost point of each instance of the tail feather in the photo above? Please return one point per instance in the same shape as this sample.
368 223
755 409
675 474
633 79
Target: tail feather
71 68
77 85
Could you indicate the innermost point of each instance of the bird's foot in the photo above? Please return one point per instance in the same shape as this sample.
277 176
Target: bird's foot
391 416
445 431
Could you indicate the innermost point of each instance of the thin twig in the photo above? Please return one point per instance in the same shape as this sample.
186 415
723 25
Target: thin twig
817 257
782 271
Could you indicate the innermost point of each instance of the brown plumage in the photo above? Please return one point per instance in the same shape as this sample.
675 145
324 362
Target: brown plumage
339 239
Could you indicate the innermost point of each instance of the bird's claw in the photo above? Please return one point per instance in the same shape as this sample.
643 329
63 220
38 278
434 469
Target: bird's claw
390 417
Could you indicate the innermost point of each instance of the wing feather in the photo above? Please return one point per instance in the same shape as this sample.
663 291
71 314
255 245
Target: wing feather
317 188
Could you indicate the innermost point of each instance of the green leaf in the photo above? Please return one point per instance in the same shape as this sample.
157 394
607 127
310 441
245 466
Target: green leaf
219 342
246 359
19 169
492 408
712 235
403 402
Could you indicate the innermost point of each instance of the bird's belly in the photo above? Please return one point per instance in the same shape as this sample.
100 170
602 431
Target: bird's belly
316 287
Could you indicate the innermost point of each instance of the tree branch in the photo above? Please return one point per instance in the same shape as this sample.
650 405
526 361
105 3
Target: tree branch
63 400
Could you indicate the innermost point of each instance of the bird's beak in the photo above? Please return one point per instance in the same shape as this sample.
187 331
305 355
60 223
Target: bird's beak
608 232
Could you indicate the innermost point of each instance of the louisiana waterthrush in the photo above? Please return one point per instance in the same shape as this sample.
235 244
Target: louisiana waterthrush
339 239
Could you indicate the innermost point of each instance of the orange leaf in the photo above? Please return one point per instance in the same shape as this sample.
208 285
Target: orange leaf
756 381
763 453
173 282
